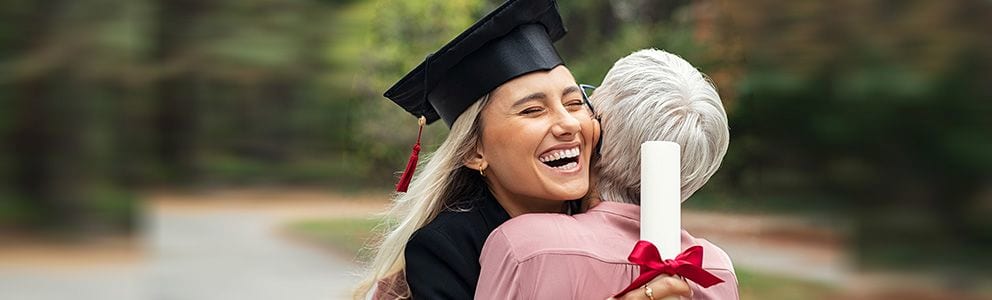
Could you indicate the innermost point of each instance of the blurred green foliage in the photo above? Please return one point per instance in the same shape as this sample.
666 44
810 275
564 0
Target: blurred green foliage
876 106
872 113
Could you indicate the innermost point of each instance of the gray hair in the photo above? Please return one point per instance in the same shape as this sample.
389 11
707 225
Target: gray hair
653 95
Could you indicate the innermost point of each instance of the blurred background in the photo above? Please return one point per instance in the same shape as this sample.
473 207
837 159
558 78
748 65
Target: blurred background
241 149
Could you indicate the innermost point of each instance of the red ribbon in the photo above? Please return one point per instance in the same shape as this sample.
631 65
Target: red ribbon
688 264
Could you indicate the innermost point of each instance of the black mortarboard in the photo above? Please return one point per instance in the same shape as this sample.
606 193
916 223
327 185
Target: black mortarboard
513 40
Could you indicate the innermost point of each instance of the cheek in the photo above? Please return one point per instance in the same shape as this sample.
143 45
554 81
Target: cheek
505 144
513 148
589 132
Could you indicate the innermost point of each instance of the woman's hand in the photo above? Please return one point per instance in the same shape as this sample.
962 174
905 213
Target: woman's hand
663 287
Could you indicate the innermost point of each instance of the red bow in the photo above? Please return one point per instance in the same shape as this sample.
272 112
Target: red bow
688 264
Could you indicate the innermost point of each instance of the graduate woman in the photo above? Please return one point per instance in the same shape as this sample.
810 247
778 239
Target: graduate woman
520 141
650 95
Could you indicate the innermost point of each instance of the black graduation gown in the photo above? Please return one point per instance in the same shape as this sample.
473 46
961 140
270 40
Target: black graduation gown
442 258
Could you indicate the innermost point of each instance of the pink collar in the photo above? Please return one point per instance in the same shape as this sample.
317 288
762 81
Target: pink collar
631 211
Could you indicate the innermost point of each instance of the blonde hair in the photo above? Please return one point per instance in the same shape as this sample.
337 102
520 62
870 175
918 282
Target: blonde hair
653 95
442 180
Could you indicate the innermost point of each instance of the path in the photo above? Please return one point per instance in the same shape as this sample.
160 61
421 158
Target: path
790 246
212 247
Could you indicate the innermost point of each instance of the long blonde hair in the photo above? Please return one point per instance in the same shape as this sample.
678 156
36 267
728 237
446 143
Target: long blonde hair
442 180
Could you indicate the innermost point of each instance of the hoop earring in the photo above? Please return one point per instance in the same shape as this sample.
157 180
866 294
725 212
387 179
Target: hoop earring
482 171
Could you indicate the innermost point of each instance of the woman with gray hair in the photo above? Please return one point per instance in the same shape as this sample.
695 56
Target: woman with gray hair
650 95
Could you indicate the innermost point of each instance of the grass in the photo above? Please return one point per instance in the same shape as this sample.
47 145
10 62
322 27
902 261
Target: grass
350 235
756 285
347 236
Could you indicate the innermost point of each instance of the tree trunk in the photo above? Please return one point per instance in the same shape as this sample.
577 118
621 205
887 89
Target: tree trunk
176 101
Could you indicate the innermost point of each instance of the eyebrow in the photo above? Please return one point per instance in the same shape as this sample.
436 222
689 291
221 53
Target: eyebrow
534 96
569 90
541 95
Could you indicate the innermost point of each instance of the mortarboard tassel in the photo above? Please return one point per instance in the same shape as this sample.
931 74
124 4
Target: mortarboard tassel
411 165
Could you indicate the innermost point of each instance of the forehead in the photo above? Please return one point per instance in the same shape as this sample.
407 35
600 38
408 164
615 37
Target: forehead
551 82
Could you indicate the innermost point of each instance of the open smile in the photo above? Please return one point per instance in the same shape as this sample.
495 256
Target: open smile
562 160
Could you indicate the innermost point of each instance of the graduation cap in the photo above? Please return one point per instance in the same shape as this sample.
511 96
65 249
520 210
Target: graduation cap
514 39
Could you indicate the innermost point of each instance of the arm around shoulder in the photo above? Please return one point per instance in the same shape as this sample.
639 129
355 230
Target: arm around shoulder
499 278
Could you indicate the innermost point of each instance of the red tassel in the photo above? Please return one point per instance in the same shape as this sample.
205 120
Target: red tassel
411 165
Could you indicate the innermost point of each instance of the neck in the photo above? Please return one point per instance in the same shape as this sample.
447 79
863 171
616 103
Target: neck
518 205
612 195
590 203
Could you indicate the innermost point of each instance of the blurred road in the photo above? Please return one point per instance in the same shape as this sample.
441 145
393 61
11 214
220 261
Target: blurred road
239 255
209 250
790 246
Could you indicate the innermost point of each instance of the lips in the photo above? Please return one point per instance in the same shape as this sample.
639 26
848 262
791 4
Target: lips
561 159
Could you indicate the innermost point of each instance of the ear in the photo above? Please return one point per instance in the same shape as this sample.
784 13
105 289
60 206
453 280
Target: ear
477 160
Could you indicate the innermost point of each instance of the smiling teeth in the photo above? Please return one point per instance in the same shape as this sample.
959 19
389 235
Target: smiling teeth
567 166
567 153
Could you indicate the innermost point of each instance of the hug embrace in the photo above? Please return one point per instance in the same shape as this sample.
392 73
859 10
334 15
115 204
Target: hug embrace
535 192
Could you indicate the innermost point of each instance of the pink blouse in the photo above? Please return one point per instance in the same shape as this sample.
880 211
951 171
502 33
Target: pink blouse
557 256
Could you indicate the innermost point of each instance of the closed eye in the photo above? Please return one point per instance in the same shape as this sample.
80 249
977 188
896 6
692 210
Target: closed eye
531 111
575 104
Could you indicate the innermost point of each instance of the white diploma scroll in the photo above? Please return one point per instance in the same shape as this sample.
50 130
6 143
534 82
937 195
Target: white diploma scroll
661 214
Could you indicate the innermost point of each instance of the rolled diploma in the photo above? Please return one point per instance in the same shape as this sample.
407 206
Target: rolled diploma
661 197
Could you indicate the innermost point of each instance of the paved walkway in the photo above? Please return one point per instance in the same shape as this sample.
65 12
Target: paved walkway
214 251
788 246
239 255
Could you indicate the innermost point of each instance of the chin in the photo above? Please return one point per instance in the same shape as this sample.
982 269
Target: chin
571 191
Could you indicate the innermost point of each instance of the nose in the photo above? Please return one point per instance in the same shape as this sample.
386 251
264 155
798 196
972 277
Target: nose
566 125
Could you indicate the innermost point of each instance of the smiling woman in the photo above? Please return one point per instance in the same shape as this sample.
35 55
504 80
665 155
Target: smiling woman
521 140
536 142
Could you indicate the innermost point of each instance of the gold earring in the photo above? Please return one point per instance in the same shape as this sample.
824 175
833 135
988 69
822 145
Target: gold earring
482 171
